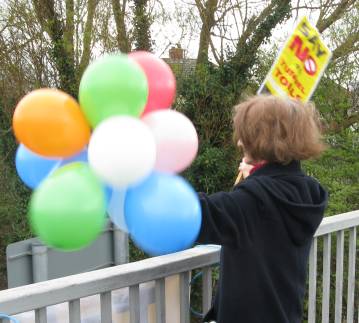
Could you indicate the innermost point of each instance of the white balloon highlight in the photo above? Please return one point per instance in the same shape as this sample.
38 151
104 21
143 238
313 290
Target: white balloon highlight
122 151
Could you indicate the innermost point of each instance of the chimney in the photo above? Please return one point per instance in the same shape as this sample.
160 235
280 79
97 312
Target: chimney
176 53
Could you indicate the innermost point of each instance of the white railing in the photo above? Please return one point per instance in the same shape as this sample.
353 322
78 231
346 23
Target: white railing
102 282
342 225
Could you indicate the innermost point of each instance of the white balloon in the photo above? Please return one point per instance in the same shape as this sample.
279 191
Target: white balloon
122 151
176 140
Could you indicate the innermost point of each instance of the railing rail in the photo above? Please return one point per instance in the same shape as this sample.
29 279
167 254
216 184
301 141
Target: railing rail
29 297
338 222
72 288
338 225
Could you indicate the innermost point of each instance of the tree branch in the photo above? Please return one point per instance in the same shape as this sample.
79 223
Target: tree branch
253 23
91 8
201 10
208 21
218 60
119 15
258 30
350 45
52 24
223 14
69 29
337 127
339 11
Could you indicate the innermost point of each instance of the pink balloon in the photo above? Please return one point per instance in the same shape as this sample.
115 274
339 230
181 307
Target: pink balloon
176 140
161 81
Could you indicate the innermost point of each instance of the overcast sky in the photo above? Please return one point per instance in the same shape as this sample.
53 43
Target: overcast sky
171 31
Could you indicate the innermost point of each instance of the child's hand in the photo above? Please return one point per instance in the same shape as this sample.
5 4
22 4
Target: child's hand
245 168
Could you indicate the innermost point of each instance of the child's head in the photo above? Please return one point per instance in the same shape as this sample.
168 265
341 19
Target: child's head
277 129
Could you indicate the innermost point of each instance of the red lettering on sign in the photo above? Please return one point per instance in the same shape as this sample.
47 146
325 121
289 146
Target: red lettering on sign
292 74
310 66
297 45
288 79
291 90
283 80
277 72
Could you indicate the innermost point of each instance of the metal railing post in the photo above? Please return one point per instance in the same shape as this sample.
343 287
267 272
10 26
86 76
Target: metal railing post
120 246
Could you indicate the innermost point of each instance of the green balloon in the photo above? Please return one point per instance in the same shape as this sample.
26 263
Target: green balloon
113 85
67 211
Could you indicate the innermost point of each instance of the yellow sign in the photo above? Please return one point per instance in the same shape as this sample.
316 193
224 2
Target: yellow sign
300 64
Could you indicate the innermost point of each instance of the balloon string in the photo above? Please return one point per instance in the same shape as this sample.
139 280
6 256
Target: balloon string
239 178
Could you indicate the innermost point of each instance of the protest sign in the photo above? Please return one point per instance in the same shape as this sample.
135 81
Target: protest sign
299 65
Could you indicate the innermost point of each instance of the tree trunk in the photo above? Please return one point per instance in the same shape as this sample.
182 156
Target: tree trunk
142 24
258 30
208 22
69 30
52 24
86 51
119 15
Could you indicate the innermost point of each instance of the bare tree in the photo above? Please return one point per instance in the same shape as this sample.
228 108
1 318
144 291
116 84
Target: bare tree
258 29
119 12
343 72
330 12
61 32
207 13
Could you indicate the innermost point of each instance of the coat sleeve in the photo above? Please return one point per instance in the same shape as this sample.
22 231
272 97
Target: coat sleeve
228 219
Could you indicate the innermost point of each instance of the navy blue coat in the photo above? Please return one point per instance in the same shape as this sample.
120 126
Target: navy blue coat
265 226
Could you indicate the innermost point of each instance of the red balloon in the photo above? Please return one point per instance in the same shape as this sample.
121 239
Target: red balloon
161 81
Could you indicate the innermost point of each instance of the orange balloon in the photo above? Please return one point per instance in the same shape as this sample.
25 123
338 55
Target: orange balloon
50 123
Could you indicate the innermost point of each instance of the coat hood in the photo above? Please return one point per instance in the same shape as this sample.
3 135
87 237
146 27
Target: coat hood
299 200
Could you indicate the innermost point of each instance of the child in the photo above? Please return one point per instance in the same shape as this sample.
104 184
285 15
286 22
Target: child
266 224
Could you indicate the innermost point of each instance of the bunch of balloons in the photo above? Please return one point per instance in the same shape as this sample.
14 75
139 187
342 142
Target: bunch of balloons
117 150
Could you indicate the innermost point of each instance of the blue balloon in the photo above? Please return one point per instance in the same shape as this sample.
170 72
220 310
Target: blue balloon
108 194
80 157
116 208
163 214
33 168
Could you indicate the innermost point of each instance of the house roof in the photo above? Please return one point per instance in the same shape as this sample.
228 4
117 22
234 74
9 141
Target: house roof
181 66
